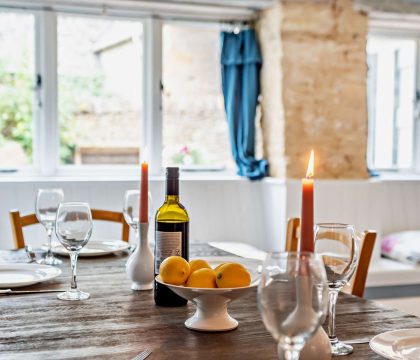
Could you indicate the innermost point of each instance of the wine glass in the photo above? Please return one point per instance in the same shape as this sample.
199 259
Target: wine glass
131 211
292 299
46 205
337 244
73 229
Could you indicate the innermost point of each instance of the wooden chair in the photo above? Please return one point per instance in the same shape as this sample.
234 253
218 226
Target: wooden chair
18 222
357 283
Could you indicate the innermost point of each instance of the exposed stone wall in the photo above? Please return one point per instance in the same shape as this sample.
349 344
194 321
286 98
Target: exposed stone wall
273 120
322 87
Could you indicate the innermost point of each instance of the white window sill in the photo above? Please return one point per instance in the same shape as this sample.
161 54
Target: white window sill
117 175
133 174
397 176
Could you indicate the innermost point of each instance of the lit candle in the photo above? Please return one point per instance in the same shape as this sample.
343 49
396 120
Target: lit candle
307 218
144 192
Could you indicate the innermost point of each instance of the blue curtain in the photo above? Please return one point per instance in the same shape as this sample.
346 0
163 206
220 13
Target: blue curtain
241 64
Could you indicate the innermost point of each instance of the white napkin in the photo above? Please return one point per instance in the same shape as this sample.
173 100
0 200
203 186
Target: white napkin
240 249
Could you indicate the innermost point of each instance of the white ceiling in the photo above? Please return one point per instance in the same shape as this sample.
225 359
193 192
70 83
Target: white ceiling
211 10
251 4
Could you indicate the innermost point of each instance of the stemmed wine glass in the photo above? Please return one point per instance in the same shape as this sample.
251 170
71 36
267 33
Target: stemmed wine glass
338 246
47 202
131 210
292 299
73 228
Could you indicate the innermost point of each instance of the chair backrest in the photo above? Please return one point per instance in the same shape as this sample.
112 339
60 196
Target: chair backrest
367 243
18 222
292 234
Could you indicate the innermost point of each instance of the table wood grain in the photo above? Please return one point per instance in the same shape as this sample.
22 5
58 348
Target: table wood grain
118 323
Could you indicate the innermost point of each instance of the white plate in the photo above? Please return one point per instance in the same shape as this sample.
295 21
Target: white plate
398 344
18 275
92 248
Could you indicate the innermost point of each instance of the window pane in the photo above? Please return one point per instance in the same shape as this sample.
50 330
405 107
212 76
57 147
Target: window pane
16 94
100 90
391 94
195 130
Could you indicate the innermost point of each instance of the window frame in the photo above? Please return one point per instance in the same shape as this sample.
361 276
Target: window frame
31 168
392 28
46 132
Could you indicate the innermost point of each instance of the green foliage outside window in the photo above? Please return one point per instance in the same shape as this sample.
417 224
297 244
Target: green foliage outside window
16 113
16 108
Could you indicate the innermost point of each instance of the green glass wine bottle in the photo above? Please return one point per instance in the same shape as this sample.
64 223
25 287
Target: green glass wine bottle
171 236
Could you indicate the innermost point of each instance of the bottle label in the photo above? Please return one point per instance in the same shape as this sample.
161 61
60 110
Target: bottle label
167 244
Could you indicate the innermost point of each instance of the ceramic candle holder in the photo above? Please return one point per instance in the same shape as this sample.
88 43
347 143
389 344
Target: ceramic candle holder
140 264
318 346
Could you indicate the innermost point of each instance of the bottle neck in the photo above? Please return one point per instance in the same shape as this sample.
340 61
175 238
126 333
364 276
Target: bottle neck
172 189
172 199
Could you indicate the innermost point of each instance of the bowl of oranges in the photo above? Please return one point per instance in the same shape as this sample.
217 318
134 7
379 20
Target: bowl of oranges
210 286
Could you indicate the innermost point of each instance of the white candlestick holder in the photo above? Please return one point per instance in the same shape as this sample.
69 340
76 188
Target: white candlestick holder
140 264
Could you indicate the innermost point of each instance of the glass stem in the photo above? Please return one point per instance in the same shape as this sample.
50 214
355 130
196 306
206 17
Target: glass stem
137 236
135 243
288 352
49 234
73 259
333 294
291 355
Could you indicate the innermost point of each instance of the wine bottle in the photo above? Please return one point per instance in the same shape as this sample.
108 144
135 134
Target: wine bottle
171 236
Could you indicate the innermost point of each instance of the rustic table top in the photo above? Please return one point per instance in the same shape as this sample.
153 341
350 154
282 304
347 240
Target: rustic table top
118 323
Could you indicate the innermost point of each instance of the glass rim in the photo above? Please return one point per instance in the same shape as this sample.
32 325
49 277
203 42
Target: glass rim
295 254
51 189
132 191
74 203
335 225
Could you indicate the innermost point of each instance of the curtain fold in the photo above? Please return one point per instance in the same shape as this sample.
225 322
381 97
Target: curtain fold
241 63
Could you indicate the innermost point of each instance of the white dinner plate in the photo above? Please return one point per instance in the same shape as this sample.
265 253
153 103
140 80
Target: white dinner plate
398 344
18 275
92 248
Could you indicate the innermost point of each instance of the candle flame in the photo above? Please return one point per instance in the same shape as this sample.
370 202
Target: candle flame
310 171
145 155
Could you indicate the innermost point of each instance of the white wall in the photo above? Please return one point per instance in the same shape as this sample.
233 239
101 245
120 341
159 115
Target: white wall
236 209
220 210
382 205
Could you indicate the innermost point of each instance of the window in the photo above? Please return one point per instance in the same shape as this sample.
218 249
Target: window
100 92
83 92
195 132
391 100
16 89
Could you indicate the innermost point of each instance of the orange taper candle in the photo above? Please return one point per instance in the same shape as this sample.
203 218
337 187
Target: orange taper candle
307 218
144 193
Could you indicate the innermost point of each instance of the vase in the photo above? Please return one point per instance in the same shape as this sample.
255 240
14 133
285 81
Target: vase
140 264
318 347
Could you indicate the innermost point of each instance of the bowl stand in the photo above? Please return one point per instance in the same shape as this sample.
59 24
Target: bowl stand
211 314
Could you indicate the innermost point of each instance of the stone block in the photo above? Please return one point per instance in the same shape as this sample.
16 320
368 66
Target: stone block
308 17
321 88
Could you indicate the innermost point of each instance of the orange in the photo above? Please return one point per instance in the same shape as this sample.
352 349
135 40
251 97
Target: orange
202 278
174 270
232 275
198 264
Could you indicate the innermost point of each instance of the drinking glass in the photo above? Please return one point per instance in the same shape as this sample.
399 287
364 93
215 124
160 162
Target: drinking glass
292 299
131 210
338 246
46 205
73 229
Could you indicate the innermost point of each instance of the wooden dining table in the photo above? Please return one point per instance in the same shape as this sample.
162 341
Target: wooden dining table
118 323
